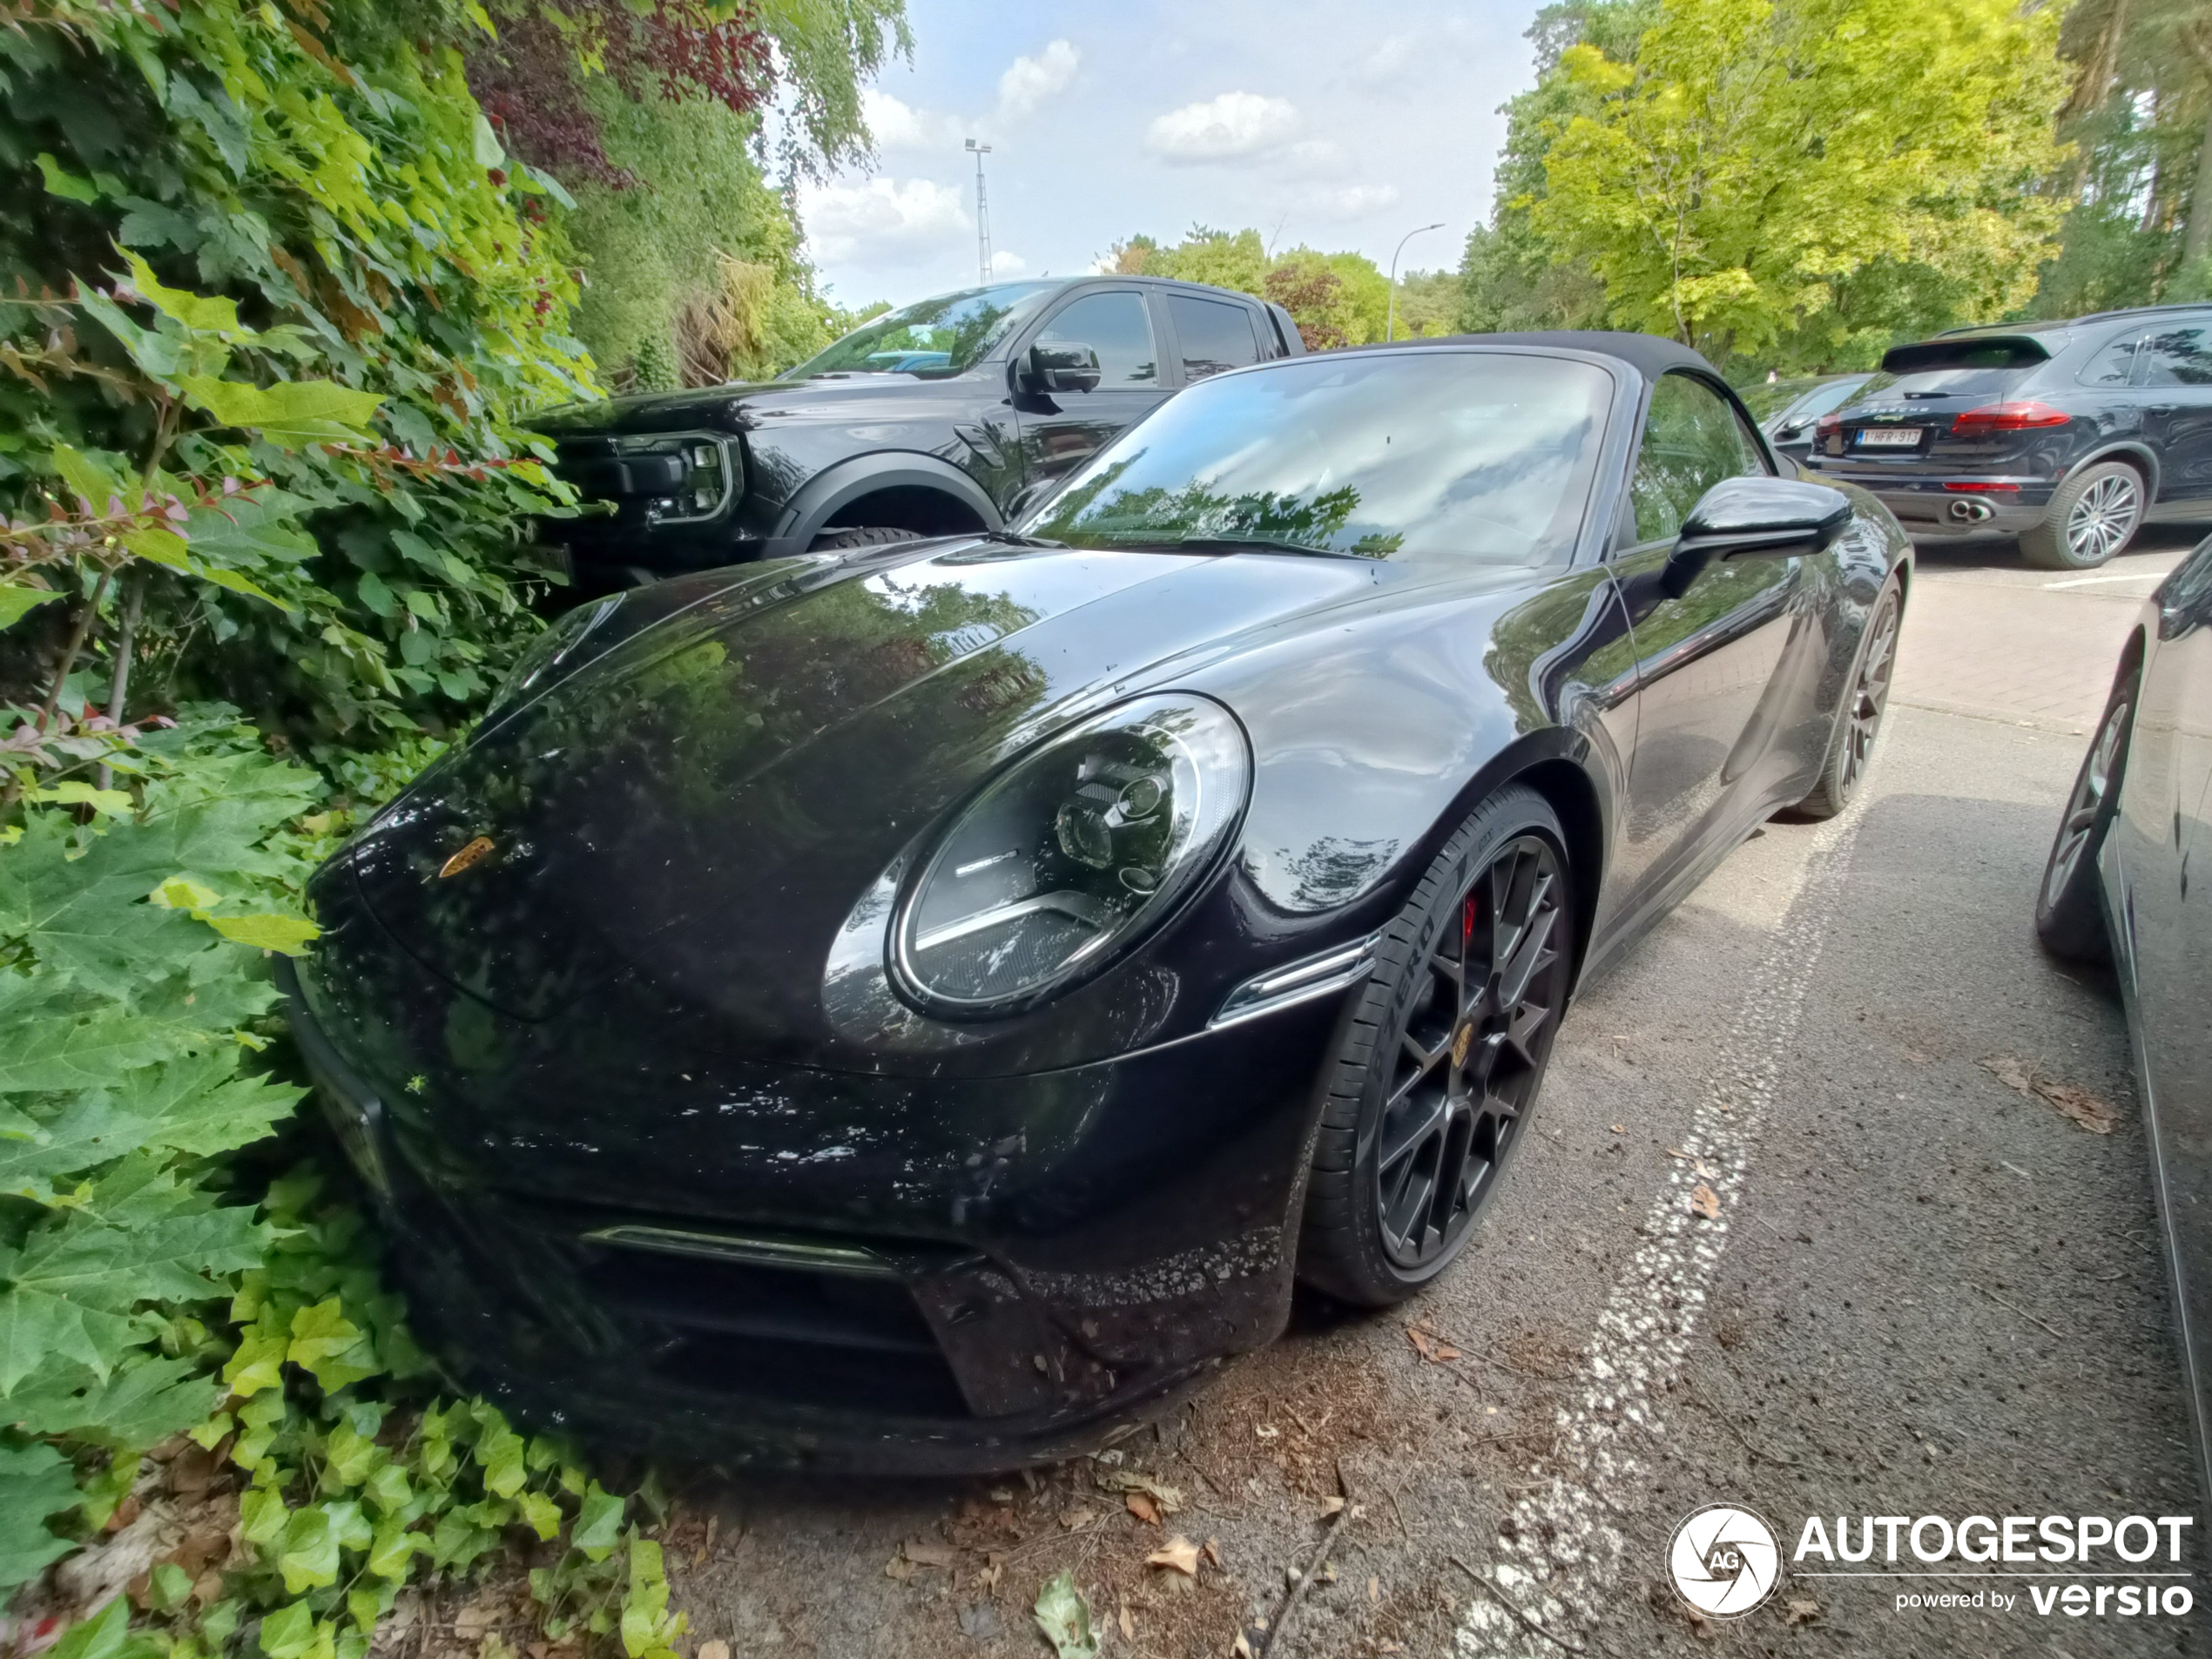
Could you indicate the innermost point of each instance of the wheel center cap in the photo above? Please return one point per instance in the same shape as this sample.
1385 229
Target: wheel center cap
1462 1044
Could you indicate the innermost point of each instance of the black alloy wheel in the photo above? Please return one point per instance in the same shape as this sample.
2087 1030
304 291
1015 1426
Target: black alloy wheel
2069 916
1443 1056
1858 721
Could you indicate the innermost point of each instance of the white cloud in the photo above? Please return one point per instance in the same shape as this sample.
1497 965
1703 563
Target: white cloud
1228 128
1030 81
880 217
1355 201
1389 60
1007 265
897 125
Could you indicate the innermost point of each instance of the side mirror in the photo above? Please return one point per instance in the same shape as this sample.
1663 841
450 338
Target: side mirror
1756 517
1062 366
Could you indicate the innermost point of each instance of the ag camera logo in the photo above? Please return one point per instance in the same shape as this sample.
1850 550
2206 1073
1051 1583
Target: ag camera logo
1724 1560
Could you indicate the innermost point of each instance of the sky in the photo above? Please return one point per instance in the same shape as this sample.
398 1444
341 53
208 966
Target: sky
1305 121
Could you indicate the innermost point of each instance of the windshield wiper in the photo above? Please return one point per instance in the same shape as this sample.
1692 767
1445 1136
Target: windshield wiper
1245 543
1010 538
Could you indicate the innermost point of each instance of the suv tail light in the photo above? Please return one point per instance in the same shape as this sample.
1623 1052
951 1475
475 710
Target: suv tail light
2009 417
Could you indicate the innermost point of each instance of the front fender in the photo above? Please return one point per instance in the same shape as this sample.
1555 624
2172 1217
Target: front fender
819 500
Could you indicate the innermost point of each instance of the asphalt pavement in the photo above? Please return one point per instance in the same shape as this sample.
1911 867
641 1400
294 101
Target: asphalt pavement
1929 1288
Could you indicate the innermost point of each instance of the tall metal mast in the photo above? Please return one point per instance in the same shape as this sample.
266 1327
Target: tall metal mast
982 215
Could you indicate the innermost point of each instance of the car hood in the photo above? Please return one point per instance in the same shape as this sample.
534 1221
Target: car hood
700 807
734 407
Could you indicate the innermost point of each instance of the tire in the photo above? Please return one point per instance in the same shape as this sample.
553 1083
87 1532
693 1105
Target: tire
868 535
2069 910
2093 516
1858 718
1389 1206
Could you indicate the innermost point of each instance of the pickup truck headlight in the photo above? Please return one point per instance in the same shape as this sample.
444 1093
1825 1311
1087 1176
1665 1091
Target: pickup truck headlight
1070 856
685 476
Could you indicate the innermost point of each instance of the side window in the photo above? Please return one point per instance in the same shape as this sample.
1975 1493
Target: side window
1119 328
1216 334
2176 357
2114 365
1691 440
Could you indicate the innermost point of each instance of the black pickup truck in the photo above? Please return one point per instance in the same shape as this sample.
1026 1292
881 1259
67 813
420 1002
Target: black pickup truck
932 420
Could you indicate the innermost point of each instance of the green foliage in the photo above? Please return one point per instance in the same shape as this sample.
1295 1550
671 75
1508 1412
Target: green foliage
694 275
282 318
2139 119
1813 175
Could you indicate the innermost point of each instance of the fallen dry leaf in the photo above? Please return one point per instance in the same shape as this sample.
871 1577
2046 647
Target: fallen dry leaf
716 1649
1265 1431
1166 1499
1705 1202
1620 1129
2077 1105
1801 1611
1077 1518
1429 1346
1374 1591
1675 1152
922 1554
1240 1648
1128 1622
1213 1551
899 1567
1143 1508
1330 1505
1179 1552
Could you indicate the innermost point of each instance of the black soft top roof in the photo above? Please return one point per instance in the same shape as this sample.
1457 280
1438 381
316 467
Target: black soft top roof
1648 355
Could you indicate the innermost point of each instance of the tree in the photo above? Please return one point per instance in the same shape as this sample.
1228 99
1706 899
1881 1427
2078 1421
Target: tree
2140 120
1335 299
1813 175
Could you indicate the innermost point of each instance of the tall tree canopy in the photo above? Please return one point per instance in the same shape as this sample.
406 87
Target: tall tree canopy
1807 175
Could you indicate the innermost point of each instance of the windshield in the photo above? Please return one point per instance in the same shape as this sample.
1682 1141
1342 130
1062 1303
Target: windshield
1484 456
933 338
1830 394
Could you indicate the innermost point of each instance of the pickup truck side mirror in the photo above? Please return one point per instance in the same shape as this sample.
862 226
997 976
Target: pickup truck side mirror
1062 366
1756 517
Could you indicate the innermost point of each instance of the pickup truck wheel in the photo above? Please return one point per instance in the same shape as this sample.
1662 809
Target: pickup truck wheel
868 536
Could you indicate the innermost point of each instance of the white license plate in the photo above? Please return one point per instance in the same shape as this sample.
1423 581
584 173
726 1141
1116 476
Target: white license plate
1889 437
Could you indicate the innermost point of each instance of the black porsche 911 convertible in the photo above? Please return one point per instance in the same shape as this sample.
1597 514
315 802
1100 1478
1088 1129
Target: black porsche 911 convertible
920 1006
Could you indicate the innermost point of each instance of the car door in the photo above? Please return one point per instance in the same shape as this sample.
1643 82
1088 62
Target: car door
1213 336
1060 430
2165 845
1710 702
2173 371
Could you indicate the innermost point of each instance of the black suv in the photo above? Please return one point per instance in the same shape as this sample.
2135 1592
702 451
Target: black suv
928 421
2067 435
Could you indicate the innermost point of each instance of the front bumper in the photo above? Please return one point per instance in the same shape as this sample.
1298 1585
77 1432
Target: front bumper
1029 1300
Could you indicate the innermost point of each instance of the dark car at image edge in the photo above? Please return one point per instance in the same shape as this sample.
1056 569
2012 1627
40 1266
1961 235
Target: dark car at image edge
921 1005
931 419
2069 435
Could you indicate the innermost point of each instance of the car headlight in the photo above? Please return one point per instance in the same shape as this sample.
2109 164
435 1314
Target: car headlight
686 477
551 651
1070 856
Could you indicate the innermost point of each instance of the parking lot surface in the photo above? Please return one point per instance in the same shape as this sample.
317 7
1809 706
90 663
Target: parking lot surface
1929 1286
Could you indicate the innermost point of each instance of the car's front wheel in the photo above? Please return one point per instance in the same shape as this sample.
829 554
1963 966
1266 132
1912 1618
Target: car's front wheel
2069 919
1431 1086
2092 518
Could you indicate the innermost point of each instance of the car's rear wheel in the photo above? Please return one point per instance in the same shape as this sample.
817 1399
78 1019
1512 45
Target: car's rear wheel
1434 1079
2069 917
2093 516
1859 722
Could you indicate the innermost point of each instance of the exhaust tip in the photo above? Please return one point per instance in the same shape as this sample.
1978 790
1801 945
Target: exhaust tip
1972 512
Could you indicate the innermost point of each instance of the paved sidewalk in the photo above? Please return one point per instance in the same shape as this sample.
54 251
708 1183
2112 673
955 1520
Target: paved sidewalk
1987 637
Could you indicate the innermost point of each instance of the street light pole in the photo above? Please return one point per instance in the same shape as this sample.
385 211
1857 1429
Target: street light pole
1390 327
982 215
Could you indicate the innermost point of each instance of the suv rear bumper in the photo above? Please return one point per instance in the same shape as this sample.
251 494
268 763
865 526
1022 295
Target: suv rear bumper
1936 507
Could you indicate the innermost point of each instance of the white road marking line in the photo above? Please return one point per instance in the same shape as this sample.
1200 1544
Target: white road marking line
2091 581
1560 1554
